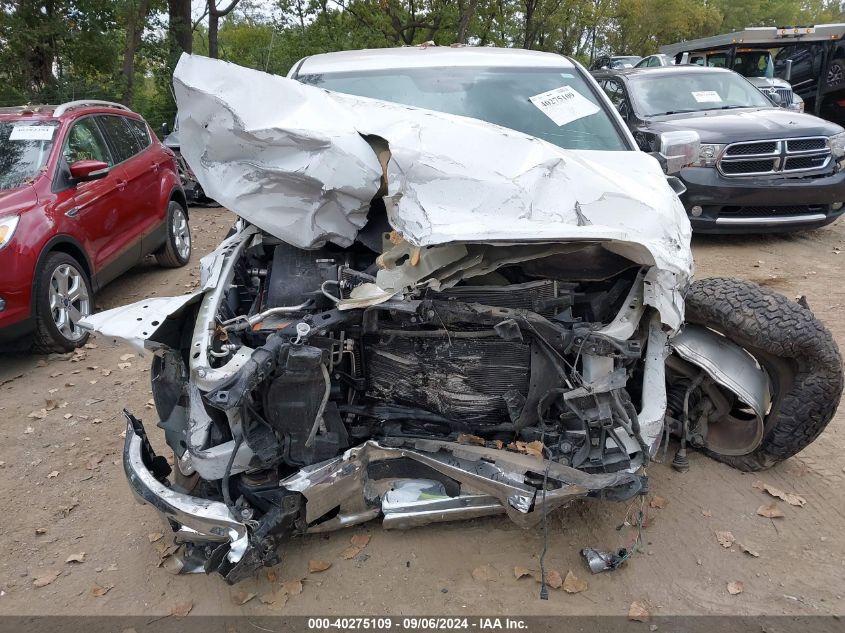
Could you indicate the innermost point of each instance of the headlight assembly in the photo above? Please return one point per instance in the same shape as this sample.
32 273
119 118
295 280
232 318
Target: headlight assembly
709 154
837 145
7 228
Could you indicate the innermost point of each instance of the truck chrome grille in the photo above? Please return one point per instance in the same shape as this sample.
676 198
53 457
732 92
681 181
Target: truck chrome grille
775 157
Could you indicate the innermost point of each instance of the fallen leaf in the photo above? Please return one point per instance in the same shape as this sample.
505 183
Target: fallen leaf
77 557
790 497
181 609
726 539
519 572
272 576
771 511
126 357
360 540
154 536
44 579
38 415
53 474
315 565
350 552
466 438
51 404
275 600
293 587
534 448
735 587
658 502
573 584
638 612
553 578
485 573
242 597
748 550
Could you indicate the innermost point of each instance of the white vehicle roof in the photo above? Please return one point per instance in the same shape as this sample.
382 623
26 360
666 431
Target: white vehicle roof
426 57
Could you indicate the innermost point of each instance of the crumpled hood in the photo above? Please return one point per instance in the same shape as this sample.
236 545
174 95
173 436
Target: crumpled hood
303 164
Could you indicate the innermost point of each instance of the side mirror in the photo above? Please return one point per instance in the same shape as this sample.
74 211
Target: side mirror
85 170
165 129
679 149
787 72
774 97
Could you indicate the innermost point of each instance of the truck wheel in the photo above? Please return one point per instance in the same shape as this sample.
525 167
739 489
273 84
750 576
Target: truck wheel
836 72
798 353
63 296
176 251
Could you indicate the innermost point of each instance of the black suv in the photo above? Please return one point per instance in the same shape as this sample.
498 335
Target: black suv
761 169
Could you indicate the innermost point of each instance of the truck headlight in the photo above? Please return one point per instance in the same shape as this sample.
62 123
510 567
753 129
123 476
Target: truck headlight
709 154
797 103
837 145
7 228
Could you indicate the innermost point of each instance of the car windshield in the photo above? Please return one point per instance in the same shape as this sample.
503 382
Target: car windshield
660 94
497 95
24 148
754 64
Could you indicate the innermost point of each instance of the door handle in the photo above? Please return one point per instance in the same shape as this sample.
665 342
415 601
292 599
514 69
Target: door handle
72 213
121 184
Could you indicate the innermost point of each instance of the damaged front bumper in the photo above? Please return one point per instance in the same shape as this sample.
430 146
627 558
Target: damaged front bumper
410 482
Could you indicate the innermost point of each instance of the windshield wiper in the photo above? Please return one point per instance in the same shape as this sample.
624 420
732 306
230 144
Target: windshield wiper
674 112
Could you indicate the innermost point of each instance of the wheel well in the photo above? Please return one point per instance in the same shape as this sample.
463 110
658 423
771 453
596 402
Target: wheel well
70 249
179 196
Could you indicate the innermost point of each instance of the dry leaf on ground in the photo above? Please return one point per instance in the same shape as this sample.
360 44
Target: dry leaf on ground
154 536
573 584
242 597
790 497
53 474
292 587
272 576
181 609
77 557
275 600
466 438
770 511
748 550
44 579
100 590
360 540
658 502
534 448
638 612
315 565
350 552
484 573
553 578
519 572
726 538
735 587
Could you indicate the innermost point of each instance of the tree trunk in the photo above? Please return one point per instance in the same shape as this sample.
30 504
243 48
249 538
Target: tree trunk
467 13
136 17
214 15
179 27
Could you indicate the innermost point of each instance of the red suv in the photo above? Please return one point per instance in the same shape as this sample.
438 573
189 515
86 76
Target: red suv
86 192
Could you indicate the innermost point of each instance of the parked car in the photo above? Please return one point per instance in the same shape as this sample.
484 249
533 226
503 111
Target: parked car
456 289
655 61
193 189
761 168
86 191
614 62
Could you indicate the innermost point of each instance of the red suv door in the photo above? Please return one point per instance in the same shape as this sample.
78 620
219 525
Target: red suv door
139 204
95 206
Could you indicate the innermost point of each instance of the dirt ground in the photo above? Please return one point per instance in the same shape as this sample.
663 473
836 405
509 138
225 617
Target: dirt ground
64 493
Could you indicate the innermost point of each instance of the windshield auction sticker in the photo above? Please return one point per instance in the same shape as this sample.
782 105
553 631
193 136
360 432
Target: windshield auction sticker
32 133
707 96
564 105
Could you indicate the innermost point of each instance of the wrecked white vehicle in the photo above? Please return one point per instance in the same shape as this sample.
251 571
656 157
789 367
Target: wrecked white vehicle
462 297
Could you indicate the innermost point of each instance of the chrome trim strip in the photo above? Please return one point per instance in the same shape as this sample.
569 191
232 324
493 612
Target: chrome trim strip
784 219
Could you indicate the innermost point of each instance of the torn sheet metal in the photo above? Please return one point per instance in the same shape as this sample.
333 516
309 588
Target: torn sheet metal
293 160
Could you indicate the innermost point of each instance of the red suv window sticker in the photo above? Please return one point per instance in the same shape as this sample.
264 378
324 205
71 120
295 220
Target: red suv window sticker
32 133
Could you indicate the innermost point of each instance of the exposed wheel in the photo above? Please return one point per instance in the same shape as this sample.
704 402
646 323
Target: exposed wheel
798 353
63 296
176 251
836 73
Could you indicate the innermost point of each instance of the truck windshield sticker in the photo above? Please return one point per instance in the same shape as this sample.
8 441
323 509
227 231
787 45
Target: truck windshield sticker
564 105
32 133
707 96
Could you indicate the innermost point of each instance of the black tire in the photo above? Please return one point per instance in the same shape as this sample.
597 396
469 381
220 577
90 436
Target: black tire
836 73
172 254
795 348
47 336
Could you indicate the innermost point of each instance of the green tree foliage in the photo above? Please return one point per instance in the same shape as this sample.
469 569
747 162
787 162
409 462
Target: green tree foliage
56 50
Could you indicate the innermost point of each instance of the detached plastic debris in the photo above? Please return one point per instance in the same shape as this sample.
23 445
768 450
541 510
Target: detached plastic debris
600 560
